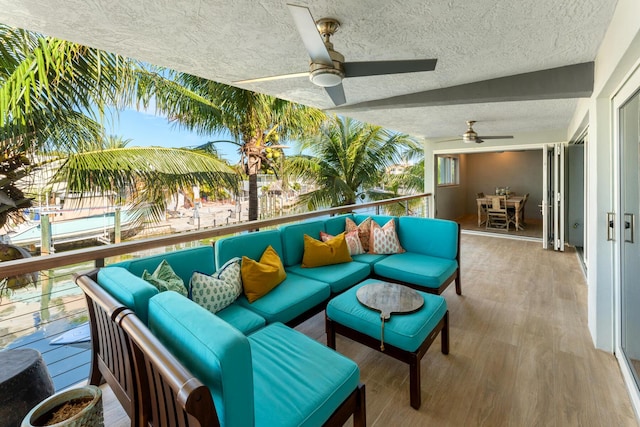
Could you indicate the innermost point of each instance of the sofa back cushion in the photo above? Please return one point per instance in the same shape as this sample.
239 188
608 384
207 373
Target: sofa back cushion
293 239
251 245
380 219
335 225
184 262
212 350
129 289
429 236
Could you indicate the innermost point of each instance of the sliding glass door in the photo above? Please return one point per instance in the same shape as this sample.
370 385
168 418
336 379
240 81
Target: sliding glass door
627 246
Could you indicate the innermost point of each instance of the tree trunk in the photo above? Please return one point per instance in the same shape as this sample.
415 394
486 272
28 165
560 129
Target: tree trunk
253 196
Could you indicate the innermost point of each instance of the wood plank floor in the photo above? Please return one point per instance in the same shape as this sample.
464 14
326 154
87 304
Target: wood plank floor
532 228
520 354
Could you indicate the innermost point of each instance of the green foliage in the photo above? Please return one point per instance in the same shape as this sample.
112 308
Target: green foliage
255 121
148 173
346 160
53 99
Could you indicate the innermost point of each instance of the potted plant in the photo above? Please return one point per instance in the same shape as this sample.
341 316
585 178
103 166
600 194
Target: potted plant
71 408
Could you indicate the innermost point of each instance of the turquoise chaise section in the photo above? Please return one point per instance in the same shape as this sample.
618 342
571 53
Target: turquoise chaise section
275 376
209 348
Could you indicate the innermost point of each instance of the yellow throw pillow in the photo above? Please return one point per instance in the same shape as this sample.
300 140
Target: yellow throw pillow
260 277
317 253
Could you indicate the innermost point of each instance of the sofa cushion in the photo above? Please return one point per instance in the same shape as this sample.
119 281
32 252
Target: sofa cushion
211 349
128 289
429 236
215 292
184 262
318 253
363 229
293 239
336 225
384 240
300 383
251 245
241 318
165 279
291 298
352 238
338 276
260 277
368 258
417 269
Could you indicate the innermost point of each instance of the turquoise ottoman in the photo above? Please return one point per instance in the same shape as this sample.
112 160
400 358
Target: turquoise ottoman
407 337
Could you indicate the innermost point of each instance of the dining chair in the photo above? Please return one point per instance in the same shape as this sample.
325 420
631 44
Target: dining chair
516 217
482 209
497 215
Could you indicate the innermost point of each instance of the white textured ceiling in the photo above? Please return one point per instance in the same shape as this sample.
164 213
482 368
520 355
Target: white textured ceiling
227 41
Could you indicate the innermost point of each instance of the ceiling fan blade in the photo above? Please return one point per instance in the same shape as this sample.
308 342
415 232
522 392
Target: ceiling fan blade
336 93
376 68
310 35
270 78
496 137
450 140
479 140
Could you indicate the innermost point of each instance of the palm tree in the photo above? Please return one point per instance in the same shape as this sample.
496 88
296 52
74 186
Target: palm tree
254 121
346 160
148 186
53 96
410 181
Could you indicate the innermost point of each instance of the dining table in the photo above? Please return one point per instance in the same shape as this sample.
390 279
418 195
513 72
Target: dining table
512 201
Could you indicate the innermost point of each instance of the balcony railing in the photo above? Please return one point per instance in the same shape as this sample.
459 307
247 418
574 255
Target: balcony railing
36 317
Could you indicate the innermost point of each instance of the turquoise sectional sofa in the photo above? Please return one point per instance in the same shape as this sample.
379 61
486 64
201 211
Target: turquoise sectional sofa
253 342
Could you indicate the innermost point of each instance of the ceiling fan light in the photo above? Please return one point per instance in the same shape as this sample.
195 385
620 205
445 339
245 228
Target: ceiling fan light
325 77
469 136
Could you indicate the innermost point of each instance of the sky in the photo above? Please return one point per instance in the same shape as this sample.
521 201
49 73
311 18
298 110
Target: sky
145 129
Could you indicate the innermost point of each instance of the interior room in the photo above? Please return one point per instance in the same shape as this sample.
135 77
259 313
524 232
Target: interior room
518 172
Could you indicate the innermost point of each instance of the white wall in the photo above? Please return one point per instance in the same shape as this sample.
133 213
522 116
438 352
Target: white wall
618 56
520 170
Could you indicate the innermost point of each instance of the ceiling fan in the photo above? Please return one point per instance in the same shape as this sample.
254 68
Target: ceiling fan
471 136
328 67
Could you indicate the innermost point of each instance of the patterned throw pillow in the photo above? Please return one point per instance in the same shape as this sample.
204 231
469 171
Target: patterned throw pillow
352 238
384 240
364 231
165 279
217 291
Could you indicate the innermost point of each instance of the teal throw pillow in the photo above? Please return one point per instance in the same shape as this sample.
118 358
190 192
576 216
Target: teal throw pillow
165 279
217 291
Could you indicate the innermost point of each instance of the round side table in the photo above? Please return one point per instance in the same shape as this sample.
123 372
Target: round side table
24 382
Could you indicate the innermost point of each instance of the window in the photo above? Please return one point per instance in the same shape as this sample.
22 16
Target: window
448 171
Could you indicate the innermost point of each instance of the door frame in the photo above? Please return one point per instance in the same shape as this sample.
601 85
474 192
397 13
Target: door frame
553 198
